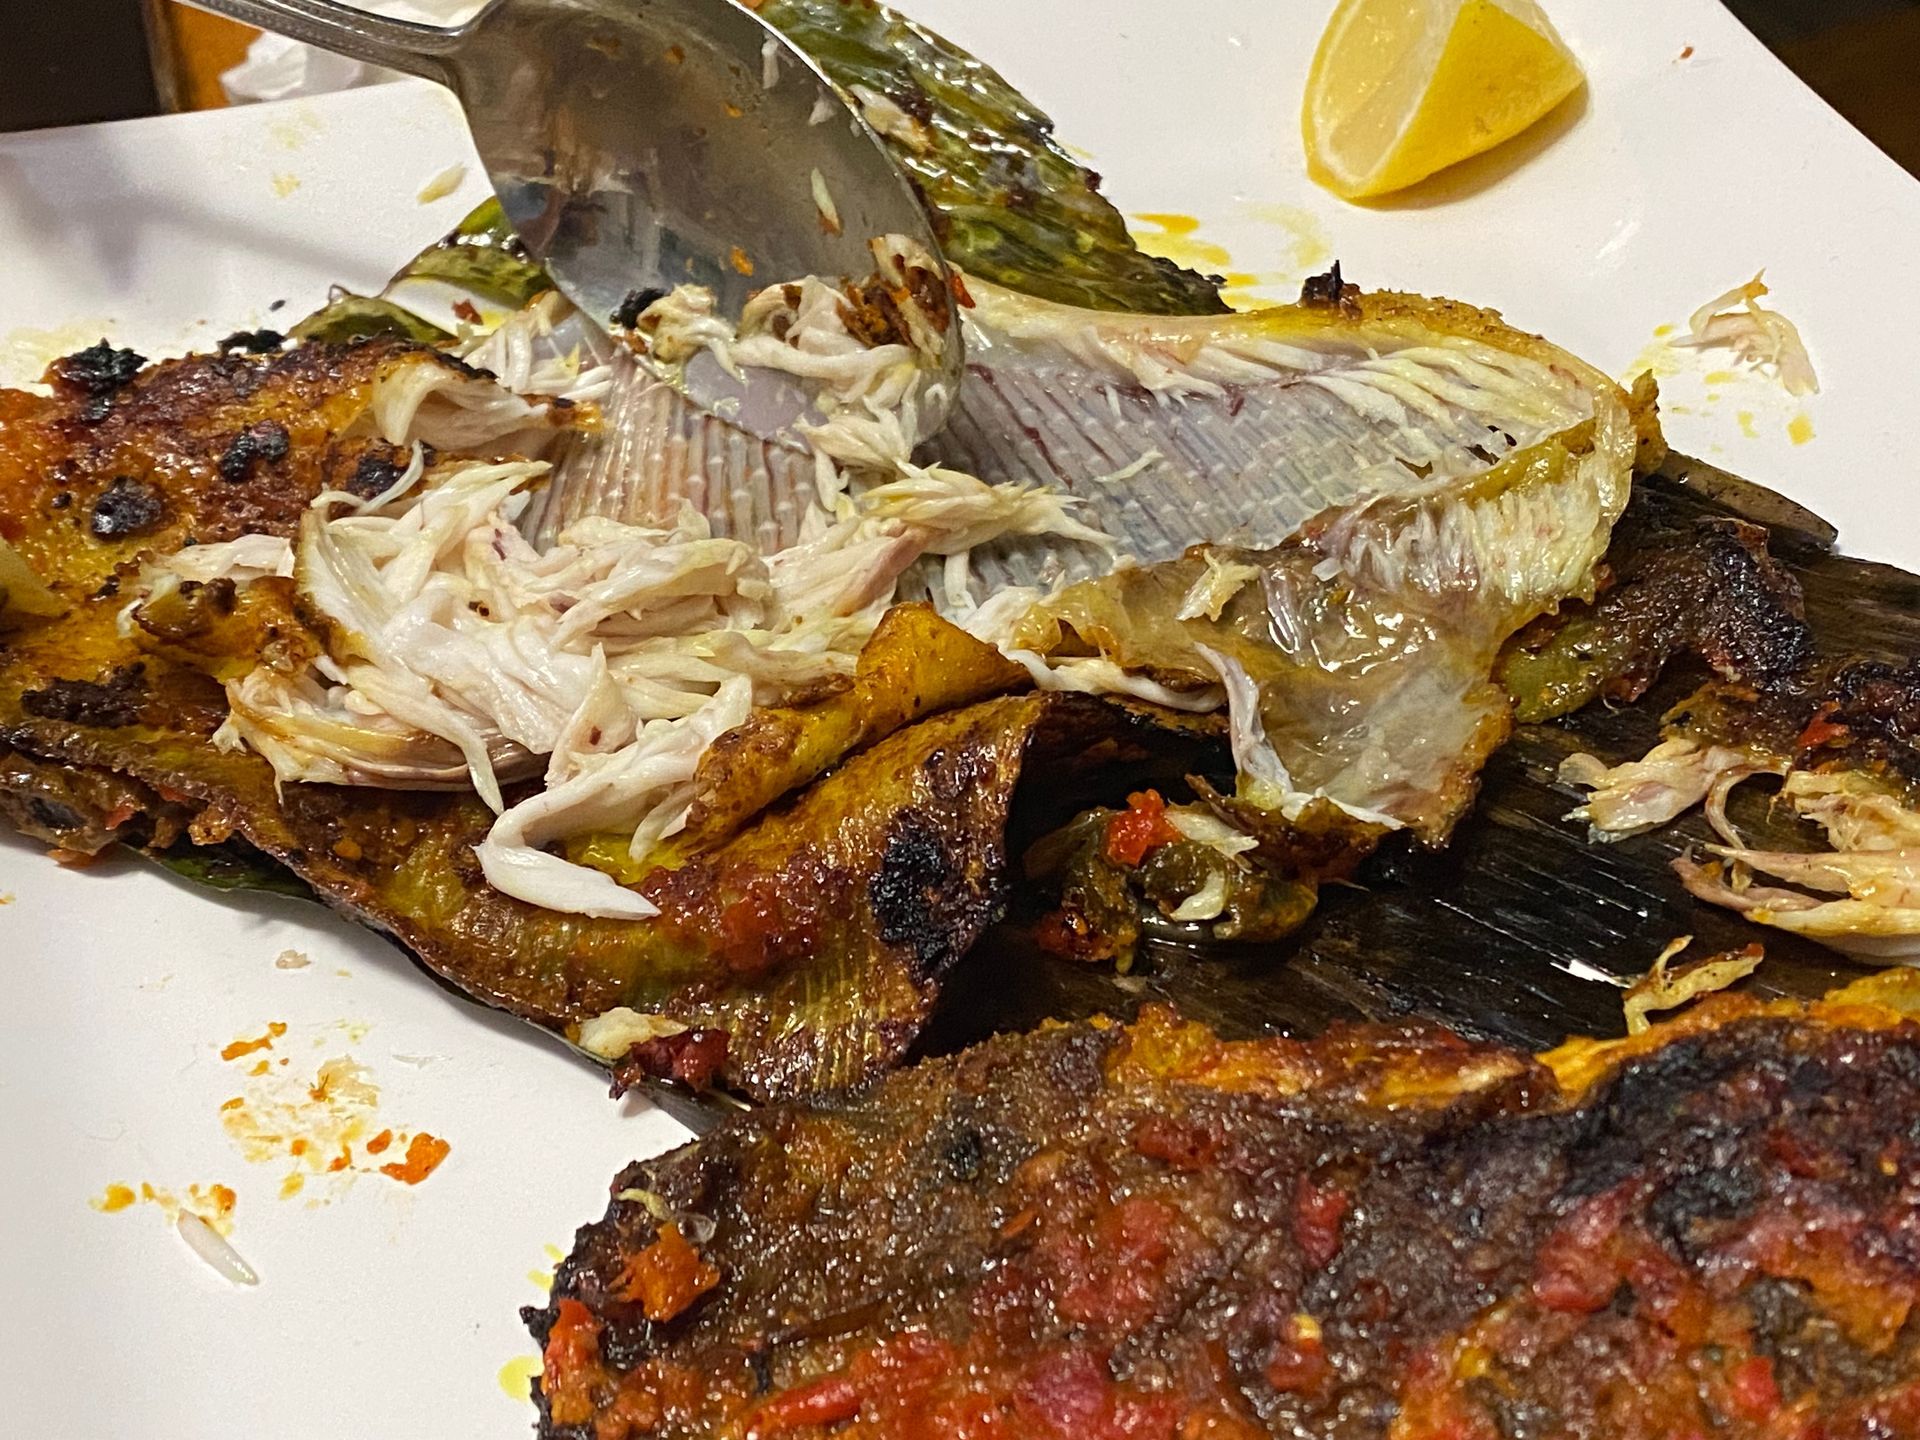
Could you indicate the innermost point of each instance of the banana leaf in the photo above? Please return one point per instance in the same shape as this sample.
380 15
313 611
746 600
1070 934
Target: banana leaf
233 868
347 318
1013 207
1010 205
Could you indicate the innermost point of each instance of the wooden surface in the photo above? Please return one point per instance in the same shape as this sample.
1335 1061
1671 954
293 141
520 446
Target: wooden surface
72 62
190 50
1869 70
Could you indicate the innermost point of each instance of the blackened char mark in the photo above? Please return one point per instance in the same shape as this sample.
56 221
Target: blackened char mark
1331 291
1879 704
126 507
1857 714
97 370
116 701
52 815
627 314
253 342
1752 621
910 894
380 465
1708 588
267 440
963 1154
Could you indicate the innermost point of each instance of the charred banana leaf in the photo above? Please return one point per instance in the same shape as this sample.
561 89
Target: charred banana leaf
1011 205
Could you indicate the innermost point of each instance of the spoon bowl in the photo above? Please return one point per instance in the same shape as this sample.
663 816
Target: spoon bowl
636 145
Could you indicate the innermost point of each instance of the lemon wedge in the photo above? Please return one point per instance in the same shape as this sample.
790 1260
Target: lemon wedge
1402 88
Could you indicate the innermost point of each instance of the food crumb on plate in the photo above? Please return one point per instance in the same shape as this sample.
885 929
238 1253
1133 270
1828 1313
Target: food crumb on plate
113 1198
212 1204
324 1122
235 1049
442 184
424 1154
212 1247
291 960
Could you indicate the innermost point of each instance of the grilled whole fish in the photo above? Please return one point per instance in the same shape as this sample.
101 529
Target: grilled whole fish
803 952
1236 429
1140 1230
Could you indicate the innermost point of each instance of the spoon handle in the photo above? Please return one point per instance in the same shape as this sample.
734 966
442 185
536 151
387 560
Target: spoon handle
423 50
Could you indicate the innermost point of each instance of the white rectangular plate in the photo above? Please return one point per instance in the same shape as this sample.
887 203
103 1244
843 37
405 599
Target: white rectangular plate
1693 160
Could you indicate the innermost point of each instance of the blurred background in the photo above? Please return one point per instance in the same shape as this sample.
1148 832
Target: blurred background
75 61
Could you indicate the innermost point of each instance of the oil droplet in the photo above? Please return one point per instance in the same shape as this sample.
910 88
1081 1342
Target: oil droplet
1800 428
285 184
516 1377
1660 332
1745 417
1309 249
114 1197
1658 359
1171 223
293 130
1719 377
1173 238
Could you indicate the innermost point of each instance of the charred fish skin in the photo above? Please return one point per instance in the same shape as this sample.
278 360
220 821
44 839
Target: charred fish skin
1397 1233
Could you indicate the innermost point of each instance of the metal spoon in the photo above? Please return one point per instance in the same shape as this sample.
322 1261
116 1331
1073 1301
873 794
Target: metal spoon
641 144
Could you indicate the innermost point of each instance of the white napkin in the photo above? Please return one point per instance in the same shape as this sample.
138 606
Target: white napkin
277 68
